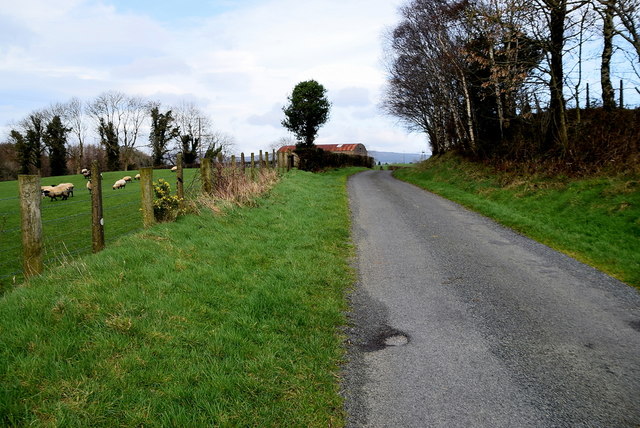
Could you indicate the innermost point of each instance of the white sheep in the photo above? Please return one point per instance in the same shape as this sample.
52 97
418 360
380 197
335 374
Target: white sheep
43 189
68 186
174 169
86 173
55 192
119 184
137 177
89 186
127 178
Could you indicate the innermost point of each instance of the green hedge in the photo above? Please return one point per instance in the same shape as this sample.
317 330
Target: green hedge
316 159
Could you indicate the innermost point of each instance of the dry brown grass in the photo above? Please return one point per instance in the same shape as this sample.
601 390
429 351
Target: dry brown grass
235 187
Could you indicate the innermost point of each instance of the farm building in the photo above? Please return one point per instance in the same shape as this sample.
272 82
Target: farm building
347 149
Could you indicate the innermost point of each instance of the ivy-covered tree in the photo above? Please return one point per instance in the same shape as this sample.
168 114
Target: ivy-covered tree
28 143
55 138
190 146
109 140
24 152
162 131
307 111
34 129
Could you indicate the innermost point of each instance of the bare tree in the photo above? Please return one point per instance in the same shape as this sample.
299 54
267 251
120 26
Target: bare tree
218 142
628 11
606 10
281 142
194 124
427 86
73 116
126 113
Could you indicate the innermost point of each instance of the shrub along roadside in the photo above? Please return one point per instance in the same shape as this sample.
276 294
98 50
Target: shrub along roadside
594 219
211 320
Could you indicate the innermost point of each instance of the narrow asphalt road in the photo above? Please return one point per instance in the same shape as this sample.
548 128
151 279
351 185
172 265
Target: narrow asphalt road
459 322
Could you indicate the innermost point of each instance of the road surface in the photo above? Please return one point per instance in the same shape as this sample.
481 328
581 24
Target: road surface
459 322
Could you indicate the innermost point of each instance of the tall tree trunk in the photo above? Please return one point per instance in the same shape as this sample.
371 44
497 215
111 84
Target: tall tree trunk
496 87
608 99
557 135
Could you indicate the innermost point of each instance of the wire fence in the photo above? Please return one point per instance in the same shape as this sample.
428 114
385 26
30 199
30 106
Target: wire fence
67 224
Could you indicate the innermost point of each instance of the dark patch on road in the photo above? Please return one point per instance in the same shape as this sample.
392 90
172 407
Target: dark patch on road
385 337
635 325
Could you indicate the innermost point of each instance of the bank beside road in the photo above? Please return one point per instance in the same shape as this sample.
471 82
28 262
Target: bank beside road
593 219
214 320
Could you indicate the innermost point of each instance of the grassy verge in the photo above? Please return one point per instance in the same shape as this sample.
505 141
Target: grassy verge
596 220
210 321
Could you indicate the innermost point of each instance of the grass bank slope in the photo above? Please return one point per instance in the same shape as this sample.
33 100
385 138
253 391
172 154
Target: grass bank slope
596 220
210 321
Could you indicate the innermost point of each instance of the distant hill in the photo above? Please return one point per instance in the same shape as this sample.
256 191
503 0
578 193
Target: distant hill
391 157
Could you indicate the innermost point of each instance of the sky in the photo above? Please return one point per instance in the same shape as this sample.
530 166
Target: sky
237 60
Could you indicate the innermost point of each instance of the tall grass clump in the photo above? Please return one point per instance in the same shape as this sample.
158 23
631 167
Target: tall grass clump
233 186
595 219
212 320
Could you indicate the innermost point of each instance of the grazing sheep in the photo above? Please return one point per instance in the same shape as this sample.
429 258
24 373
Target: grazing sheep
86 173
127 178
43 189
174 169
89 186
137 177
119 184
55 192
69 187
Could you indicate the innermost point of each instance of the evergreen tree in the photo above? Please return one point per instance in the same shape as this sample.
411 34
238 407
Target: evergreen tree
23 151
55 138
162 131
190 146
307 111
109 140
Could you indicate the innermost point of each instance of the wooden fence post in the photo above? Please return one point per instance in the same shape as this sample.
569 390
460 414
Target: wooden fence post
242 162
97 219
179 178
233 162
205 175
31 224
253 166
146 196
273 158
266 160
219 171
260 160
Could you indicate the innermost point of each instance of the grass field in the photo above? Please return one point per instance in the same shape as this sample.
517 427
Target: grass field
67 224
596 220
228 320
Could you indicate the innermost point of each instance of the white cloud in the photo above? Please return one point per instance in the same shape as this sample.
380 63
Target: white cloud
352 97
238 65
271 118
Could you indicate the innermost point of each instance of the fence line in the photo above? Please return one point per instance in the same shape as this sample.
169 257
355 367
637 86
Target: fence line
119 218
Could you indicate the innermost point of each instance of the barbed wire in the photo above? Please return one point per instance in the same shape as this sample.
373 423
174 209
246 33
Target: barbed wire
11 262
11 249
123 204
9 275
10 198
50 206
59 219
66 253
15 229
